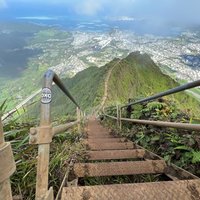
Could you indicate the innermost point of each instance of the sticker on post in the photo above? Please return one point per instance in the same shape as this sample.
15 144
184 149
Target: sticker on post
46 95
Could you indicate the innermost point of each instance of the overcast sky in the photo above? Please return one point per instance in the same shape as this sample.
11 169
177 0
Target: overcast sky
181 11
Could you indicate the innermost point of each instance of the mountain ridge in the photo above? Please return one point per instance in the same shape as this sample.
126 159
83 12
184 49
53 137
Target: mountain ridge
135 76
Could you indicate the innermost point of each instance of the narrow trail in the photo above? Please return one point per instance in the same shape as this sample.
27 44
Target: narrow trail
105 96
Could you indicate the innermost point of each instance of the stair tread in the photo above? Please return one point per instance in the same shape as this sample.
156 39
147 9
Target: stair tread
115 154
166 190
100 136
119 168
106 140
112 145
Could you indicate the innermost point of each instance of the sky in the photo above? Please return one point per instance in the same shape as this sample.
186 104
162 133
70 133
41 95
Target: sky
159 11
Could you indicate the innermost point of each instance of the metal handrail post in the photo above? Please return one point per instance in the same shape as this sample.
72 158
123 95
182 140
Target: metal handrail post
44 133
44 148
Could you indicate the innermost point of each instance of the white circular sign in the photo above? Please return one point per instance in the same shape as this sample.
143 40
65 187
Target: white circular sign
46 95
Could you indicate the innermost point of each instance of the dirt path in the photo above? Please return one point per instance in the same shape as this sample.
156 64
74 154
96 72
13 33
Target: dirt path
105 96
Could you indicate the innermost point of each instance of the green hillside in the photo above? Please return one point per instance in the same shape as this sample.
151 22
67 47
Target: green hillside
135 76
87 87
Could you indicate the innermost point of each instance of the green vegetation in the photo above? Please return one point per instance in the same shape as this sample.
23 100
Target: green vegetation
64 147
133 77
137 76
50 51
181 147
87 87
88 181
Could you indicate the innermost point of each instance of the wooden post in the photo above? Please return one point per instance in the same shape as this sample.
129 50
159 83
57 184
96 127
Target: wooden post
79 119
5 187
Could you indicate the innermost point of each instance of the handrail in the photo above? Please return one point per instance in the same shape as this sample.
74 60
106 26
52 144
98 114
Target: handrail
50 77
43 134
193 127
187 126
64 127
168 92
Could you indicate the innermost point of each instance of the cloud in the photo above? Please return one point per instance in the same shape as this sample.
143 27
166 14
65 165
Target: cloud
159 11
3 4
89 7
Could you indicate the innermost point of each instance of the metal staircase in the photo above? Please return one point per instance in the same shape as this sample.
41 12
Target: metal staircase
107 155
107 148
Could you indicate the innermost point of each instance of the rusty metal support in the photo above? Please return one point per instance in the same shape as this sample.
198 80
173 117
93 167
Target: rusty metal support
37 135
7 166
43 135
194 127
43 149
64 127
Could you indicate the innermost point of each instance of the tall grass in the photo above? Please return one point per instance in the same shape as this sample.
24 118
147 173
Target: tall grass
23 181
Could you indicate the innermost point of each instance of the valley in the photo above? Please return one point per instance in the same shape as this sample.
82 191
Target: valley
69 52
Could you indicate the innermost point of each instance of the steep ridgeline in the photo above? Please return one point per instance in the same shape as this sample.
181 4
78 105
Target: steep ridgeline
135 76
87 87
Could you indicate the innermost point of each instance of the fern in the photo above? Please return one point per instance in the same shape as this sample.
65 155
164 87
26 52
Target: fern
196 157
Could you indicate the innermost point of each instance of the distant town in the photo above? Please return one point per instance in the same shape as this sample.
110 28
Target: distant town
82 49
68 52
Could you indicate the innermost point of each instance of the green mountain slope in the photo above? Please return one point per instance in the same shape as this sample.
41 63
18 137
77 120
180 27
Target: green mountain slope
87 88
135 76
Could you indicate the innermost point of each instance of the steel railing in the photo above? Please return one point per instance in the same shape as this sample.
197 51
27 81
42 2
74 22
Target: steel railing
187 126
168 92
43 135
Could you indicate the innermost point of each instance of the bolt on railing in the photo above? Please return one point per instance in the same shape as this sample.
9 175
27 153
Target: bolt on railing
187 126
7 166
43 134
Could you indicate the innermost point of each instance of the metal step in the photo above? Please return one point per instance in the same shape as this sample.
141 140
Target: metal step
115 154
119 168
166 190
106 140
113 145
98 133
100 136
